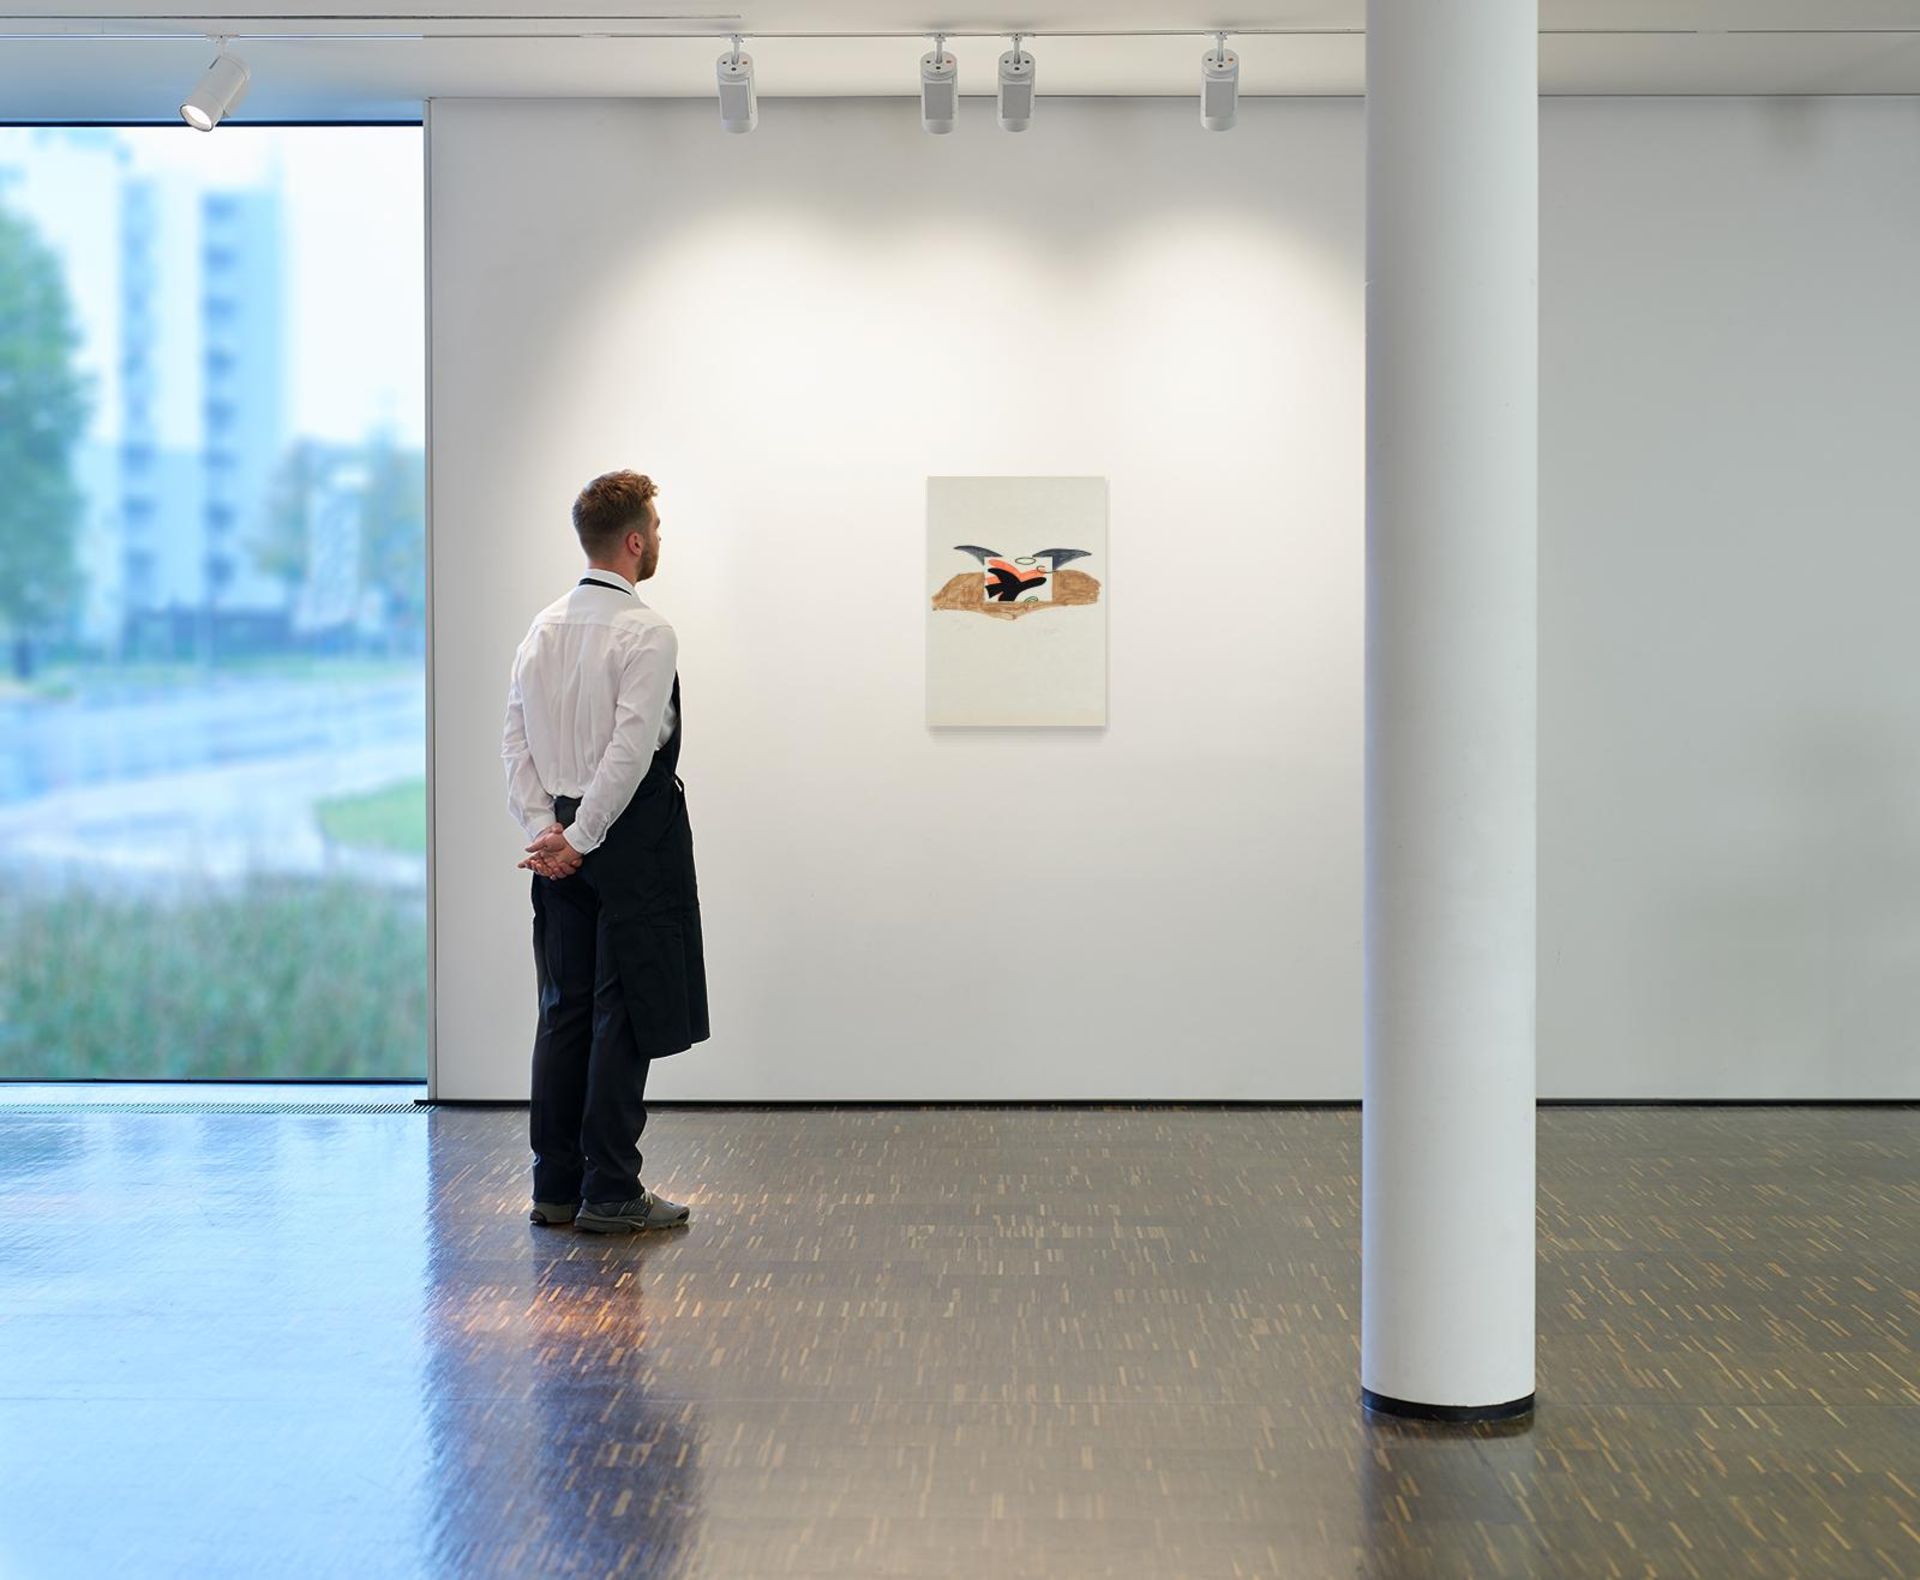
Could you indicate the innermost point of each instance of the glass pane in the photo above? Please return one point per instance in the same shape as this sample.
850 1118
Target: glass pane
212 603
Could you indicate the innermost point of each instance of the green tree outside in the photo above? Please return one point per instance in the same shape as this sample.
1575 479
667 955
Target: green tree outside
394 535
44 405
389 485
281 550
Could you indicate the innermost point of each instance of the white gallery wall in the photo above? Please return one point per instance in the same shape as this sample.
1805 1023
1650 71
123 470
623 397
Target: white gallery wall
1730 598
791 331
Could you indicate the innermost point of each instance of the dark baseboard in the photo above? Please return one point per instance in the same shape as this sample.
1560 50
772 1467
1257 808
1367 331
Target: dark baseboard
1463 1414
489 1102
802 1104
1729 1102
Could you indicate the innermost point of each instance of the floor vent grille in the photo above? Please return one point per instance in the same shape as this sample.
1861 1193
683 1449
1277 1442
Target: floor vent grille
7 1108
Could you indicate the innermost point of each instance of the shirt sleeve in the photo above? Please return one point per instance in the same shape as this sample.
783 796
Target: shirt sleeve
527 799
646 687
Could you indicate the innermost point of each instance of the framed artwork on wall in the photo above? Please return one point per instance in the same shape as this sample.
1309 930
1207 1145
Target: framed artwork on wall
1017 603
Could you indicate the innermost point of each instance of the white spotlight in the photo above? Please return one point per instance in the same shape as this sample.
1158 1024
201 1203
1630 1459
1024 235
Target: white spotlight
1016 88
1219 86
221 87
739 108
939 87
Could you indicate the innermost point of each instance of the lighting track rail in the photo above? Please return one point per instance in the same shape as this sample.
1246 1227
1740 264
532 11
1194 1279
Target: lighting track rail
226 79
65 28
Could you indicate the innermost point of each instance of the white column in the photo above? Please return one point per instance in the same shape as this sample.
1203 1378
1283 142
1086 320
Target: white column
1447 1175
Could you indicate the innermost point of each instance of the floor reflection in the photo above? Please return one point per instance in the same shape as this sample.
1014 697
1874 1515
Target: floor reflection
210 1344
556 1448
1438 1498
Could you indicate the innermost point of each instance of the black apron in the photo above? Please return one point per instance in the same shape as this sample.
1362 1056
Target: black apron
650 904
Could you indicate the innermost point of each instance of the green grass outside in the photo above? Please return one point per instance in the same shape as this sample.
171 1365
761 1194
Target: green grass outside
391 819
285 979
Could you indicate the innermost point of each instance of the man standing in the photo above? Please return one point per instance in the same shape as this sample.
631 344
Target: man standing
591 744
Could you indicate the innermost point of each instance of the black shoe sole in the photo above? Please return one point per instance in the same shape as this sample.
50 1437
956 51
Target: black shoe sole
624 1225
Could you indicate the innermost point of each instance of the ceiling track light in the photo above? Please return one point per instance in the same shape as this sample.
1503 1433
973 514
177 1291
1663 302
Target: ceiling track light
1016 88
220 89
739 107
939 88
1219 86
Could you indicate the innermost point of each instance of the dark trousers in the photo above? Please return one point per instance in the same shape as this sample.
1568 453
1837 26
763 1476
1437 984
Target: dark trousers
589 1077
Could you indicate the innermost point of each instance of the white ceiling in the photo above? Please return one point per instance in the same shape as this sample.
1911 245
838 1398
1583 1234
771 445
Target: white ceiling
60 61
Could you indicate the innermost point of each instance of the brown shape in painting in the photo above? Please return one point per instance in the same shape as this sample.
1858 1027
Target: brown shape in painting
968 593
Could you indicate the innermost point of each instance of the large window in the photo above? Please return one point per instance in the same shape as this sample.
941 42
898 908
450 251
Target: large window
212 603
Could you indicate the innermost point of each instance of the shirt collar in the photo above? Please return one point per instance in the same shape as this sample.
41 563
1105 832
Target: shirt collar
611 579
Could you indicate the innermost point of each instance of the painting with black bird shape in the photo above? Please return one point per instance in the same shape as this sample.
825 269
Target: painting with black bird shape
1017 604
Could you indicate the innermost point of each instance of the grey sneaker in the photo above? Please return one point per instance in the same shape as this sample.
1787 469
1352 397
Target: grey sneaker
555 1214
645 1211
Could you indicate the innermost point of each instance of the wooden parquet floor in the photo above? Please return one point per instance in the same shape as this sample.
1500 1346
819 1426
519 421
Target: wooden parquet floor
1003 1343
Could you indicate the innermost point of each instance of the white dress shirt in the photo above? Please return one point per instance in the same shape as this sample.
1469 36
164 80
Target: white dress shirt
590 701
